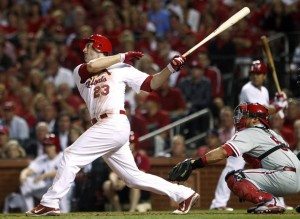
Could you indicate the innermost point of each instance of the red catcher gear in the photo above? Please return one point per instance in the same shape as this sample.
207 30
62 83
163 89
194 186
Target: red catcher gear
99 43
258 67
250 110
245 189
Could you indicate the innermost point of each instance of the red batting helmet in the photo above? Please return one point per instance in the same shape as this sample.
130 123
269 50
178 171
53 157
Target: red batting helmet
258 67
250 110
99 43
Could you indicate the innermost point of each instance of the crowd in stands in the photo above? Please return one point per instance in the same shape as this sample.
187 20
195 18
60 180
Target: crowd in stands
40 45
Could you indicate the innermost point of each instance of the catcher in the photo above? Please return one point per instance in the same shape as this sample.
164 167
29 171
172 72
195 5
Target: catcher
276 169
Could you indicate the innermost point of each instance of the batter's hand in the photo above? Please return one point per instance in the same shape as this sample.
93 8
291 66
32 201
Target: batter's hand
130 56
176 63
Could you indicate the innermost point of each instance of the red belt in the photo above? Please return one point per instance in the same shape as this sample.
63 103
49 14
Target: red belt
104 115
289 169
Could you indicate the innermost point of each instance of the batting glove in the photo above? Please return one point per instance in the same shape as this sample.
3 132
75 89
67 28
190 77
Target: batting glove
280 100
176 63
130 56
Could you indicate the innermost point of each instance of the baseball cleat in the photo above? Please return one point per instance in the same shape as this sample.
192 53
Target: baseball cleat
41 210
186 205
266 209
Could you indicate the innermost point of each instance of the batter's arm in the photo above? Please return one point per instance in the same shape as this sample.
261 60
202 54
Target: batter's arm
102 63
159 78
175 65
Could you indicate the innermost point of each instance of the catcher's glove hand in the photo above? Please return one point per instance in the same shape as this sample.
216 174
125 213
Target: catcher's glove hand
181 171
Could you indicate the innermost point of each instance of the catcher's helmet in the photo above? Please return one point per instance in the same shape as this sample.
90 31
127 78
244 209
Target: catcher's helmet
250 110
258 67
99 43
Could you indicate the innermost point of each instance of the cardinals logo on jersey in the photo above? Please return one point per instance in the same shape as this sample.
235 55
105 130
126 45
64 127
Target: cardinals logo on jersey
95 80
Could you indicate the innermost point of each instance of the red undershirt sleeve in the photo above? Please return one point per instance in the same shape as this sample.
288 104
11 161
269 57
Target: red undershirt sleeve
229 150
83 73
146 85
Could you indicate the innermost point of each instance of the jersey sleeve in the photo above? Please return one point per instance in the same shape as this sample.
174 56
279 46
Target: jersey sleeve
76 75
134 77
241 143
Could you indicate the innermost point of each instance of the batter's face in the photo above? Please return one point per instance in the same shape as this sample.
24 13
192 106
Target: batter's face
257 79
90 53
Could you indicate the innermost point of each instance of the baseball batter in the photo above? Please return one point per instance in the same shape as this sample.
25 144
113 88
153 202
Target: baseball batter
101 82
276 169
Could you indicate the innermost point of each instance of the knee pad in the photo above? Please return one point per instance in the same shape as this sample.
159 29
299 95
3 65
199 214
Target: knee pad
245 189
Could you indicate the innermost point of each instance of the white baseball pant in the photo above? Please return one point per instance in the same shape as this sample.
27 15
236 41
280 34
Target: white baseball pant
108 138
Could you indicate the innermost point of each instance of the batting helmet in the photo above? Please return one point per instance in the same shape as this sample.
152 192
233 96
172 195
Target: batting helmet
258 67
250 110
99 43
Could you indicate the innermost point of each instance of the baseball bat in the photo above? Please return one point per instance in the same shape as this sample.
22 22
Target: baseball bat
228 23
268 53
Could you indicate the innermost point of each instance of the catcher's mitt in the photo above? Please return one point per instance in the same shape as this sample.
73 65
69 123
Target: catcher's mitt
181 171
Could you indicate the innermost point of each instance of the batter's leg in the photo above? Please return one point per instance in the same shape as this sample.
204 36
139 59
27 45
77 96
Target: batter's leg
122 163
92 144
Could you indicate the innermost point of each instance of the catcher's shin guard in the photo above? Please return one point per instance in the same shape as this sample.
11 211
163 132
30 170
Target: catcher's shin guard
245 189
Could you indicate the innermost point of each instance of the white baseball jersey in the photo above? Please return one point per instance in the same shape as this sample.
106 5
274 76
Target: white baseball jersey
251 94
256 141
105 92
279 172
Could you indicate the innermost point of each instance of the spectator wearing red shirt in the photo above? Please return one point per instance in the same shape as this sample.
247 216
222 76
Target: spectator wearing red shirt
276 123
138 125
213 73
35 20
172 101
292 114
156 118
212 141
27 109
67 101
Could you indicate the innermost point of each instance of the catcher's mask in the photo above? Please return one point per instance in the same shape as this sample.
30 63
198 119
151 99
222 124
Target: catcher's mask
250 110
99 43
258 67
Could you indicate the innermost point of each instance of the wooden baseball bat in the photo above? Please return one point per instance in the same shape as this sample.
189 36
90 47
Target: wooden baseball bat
228 23
267 50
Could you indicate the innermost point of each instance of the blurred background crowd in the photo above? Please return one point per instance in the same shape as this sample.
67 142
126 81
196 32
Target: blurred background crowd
40 46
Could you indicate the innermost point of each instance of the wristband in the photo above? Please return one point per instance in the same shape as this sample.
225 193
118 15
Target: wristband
170 67
122 57
199 163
